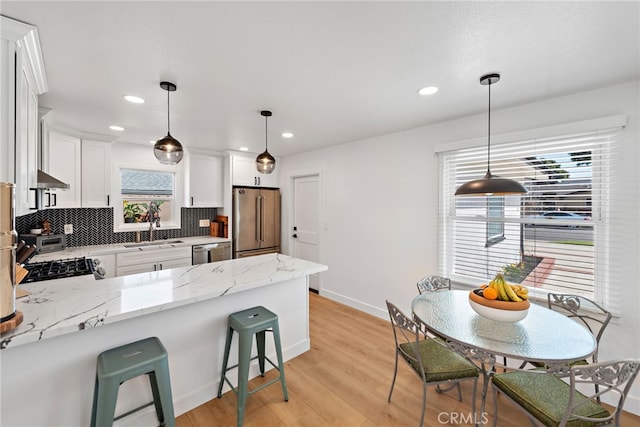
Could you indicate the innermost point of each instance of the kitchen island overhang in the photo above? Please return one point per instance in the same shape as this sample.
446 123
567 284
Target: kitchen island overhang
49 360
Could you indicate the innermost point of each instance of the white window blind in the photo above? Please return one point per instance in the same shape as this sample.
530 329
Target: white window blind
555 238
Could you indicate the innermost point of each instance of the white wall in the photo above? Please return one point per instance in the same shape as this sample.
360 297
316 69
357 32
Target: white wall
380 200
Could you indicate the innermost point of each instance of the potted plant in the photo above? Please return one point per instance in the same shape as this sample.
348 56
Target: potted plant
130 211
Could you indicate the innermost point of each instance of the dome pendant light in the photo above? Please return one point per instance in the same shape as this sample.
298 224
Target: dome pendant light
168 150
265 163
490 185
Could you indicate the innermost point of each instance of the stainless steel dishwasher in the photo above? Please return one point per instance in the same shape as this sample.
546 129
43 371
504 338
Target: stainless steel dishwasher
211 252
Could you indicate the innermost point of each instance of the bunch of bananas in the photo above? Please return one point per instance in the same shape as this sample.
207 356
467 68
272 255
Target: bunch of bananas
508 292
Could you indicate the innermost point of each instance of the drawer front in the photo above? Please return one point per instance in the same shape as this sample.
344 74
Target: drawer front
152 256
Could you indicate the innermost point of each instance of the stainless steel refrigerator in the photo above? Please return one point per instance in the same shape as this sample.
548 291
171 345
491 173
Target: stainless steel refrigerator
256 221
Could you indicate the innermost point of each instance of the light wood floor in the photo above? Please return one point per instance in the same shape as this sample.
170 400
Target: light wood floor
344 381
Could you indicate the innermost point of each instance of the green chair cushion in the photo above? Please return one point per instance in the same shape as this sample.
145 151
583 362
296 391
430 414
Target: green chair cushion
440 363
546 397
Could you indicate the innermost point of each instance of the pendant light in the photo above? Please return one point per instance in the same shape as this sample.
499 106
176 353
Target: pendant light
265 163
490 185
168 150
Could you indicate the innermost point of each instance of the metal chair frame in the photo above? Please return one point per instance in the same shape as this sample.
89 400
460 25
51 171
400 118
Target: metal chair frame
405 330
433 283
615 377
593 316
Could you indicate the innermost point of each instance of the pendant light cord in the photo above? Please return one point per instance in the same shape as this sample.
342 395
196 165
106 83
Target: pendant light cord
489 135
266 120
168 112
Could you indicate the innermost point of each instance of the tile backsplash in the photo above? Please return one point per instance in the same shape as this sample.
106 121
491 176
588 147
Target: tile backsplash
94 226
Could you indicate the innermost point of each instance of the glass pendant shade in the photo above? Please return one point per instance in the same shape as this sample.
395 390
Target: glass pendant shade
168 150
490 185
265 162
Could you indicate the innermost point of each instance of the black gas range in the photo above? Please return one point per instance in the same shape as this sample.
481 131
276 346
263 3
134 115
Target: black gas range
58 269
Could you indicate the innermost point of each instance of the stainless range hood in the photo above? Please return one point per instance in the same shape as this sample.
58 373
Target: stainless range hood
46 181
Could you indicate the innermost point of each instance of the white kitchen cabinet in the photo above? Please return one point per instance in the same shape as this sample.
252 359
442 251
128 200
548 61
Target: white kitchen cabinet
23 79
83 164
244 172
64 157
205 181
96 174
152 260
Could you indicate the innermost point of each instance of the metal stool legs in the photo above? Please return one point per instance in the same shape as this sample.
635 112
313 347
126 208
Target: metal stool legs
254 321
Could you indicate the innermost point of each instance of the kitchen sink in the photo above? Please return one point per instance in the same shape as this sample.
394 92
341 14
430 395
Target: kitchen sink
154 243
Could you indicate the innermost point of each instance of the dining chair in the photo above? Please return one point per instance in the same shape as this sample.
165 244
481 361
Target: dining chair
584 311
549 401
433 283
432 361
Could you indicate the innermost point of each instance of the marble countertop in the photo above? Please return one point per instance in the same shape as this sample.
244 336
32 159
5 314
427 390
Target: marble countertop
97 250
64 306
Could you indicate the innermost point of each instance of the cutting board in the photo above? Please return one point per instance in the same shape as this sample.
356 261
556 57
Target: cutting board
21 273
12 323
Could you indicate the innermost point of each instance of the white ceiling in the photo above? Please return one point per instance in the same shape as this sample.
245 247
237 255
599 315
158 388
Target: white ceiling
331 72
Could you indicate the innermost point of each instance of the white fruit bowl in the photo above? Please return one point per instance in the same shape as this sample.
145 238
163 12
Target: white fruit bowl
501 311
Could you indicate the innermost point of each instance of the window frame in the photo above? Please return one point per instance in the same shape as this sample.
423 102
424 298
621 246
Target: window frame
598 202
178 194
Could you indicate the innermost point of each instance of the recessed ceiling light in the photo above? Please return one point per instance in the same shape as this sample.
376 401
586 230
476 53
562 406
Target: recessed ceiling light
134 99
118 128
429 90
243 149
287 135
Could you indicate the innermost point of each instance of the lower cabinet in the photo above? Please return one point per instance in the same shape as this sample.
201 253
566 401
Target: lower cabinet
152 260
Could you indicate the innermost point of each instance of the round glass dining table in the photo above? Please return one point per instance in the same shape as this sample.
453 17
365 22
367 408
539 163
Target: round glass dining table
543 336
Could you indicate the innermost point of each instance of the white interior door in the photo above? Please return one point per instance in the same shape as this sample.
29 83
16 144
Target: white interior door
306 219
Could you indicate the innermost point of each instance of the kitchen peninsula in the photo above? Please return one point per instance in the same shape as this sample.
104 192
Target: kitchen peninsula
48 362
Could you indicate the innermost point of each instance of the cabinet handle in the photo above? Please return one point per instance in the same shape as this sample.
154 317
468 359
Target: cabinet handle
48 204
108 200
35 193
191 200
55 199
160 266
155 267
259 183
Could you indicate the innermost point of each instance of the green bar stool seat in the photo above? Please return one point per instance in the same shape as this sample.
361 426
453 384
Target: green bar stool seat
117 365
253 321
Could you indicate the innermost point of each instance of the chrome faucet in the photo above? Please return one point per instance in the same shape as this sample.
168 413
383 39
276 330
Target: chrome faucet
151 231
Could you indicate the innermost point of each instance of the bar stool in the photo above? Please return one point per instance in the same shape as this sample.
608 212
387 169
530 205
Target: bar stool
255 320
117 365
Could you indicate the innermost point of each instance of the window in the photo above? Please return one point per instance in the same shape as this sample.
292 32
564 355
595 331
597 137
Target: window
552 239
495 229
146 196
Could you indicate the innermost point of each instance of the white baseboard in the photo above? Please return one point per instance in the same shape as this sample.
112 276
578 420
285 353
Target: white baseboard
367 308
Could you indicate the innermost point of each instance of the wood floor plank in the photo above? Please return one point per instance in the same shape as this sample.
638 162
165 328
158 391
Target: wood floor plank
344 380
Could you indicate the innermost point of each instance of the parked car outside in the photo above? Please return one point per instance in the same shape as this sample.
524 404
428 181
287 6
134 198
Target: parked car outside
561 215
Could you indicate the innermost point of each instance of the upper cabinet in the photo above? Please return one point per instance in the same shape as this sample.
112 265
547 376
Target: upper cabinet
205 181
244 172
96 174
23 79
63 154
83 164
